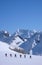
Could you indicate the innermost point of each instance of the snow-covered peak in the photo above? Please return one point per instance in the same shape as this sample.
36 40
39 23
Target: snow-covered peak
17 41
4 36
34 31
6 32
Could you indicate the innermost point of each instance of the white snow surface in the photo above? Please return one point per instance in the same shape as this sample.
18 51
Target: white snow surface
12 60
17 40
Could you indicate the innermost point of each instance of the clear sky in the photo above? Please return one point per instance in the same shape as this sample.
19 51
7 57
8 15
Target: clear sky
20 14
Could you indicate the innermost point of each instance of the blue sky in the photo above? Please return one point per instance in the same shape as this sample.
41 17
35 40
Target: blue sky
20 14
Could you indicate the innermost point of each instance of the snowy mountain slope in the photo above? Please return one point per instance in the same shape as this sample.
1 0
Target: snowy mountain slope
34 44
4 36
25 39
19 37
25 33
38 48
29 41
9 57
28 44
18 40
35 60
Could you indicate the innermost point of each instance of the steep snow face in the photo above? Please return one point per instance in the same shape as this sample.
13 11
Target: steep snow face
16 42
